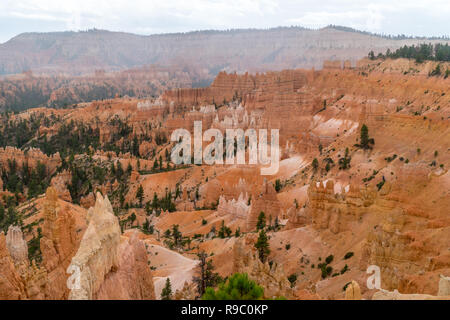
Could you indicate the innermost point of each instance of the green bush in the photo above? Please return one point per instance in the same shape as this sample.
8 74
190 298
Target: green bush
348 255
237 287
292 278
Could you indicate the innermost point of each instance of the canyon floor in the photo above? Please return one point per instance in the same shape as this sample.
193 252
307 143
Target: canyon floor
102 224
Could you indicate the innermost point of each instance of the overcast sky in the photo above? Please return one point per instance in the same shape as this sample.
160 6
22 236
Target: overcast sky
410 17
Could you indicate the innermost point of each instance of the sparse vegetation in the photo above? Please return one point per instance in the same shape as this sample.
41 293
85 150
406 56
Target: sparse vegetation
262 246
261 223
344 163
292 279
348 255
166 293
237 287
205 275
365 141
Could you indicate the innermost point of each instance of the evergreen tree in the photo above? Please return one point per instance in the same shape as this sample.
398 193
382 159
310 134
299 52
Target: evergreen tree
166 293
365 141
129 168
135 147
148 208
262 245
197 194
206 277
119 171
140 195
277 185
237 287
2 212
261 224
155 202
344 163
315 164
224 231
176 235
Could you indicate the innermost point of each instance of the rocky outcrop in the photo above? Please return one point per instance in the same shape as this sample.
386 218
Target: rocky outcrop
336 209
188 292
236 209
59 243
108 265
297 217
133 279
98 251
30 157
17 246
61 90
264 199
11 286
60 183
271 278
353 292
444 286
395 295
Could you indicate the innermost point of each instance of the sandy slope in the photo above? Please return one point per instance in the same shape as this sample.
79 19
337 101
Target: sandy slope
170 264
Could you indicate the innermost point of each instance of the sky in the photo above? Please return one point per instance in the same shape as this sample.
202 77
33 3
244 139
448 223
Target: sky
410 17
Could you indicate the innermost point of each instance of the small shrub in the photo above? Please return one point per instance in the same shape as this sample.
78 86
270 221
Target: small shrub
348 255
292 279
329 259
344 269
346 285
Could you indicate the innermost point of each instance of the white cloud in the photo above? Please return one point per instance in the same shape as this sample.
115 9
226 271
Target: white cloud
156 16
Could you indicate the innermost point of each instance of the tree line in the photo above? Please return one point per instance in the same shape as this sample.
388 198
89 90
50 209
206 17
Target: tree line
422 52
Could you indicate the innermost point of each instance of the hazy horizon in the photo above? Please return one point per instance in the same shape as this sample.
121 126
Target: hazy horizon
410 18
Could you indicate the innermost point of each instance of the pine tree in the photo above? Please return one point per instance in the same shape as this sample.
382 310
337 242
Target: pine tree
277 185
261 224
206 277
237 287
366 142
148 208
262 245
2 212
197 194
140 195
364 136
315 164
224 231
119 171
176 234
344 163
155 202
166 293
